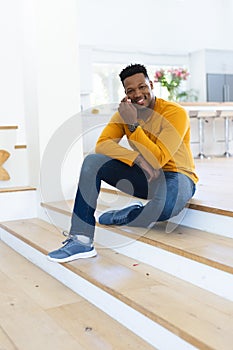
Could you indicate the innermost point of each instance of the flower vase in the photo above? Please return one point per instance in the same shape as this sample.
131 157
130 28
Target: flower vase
172 95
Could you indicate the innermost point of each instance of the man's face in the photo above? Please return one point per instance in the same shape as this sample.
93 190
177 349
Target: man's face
139 90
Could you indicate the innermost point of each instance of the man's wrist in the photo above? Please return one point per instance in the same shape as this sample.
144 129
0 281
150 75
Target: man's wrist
139 159
133 127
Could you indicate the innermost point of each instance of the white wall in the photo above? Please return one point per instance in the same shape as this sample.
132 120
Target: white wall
153 33
39 62
39 84
58 96
157 26
11 61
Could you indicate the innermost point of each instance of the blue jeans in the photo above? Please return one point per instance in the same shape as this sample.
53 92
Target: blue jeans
167 195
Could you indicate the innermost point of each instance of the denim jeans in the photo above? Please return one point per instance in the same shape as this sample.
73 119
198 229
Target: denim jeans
167 195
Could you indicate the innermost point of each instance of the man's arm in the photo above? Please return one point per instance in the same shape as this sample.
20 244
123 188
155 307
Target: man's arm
152 174
158 152
108 142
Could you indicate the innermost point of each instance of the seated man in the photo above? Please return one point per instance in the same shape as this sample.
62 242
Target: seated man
159 165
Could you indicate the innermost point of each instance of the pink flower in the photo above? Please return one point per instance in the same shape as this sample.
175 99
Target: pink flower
159 75
171 78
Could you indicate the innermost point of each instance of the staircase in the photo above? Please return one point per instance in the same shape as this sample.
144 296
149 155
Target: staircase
17 197
16 165
170 287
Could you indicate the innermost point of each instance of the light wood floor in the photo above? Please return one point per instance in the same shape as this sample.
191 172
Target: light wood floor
215 189
38 312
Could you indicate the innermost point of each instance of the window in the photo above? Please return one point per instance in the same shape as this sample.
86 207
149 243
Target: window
107 86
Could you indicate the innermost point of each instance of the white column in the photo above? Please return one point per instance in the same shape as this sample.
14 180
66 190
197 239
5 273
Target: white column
52 97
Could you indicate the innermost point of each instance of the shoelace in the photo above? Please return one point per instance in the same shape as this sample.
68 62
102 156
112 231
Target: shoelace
123 218
69 237
65 233
68 240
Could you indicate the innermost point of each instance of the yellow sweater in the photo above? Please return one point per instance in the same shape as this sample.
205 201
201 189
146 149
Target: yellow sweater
163 139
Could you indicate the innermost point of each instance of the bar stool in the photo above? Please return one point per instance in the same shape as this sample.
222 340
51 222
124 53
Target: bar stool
192 115
203 116
227 116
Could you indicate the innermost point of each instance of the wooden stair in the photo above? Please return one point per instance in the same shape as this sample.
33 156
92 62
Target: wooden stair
16 165
199 317
17 189
198 245
173 288
61 319
213 194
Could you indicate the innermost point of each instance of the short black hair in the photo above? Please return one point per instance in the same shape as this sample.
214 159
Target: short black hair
131 70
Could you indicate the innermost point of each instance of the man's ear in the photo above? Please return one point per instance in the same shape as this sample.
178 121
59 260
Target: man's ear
151 85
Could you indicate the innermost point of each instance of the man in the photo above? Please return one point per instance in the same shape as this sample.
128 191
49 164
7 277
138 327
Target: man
159 165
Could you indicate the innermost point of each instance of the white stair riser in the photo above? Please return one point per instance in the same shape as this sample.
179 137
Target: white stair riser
18 205
214 223
8 139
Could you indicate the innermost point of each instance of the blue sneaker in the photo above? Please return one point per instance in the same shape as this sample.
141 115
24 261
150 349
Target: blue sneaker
118 217
72 249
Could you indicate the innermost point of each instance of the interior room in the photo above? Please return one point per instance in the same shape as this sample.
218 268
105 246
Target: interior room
168 287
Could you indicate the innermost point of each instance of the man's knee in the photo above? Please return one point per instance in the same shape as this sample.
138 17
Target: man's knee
172 208
93 162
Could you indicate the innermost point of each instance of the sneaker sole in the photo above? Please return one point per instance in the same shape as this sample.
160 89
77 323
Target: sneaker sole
85 255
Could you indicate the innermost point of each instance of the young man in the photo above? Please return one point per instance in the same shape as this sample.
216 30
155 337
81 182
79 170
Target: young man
159 165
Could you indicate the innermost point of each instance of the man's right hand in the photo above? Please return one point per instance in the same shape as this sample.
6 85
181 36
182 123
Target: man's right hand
127 111
152 174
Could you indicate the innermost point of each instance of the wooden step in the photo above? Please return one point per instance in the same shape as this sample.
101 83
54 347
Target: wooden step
17 189
20 146
201 246
214 195
199 317
207 199
8 127
64 320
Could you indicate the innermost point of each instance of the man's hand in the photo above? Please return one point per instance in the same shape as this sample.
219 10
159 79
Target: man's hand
152 174
128 111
